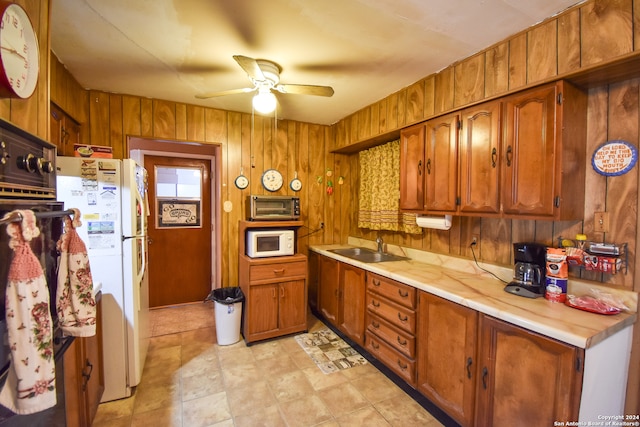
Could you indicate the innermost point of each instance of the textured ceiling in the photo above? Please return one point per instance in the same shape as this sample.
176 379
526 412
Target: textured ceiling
364 49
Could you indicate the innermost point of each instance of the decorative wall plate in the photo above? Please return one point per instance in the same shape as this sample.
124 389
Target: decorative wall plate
614 158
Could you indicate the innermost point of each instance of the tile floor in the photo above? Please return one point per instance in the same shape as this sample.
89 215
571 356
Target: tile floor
190 381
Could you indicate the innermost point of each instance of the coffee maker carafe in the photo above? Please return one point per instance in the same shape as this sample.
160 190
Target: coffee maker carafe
529 270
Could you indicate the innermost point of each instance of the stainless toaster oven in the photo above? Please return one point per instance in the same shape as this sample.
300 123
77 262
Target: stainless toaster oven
273 208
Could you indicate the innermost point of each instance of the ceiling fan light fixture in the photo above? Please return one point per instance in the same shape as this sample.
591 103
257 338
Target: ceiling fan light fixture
264 101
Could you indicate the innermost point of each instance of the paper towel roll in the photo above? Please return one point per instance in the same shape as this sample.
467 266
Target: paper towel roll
437 222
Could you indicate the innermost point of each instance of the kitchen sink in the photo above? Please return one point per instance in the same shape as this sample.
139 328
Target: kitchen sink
367 255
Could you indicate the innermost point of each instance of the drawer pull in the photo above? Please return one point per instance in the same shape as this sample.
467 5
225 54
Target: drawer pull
279 271
402 366
376 282
375 324
375 303
402 319
401 341
403 294
375 345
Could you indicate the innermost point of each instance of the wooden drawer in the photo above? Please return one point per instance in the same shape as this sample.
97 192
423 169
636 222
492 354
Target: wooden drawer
395 314
277 270
395 291
399 339
394 360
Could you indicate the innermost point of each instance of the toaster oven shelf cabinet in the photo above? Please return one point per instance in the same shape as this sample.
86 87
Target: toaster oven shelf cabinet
623 254
275 289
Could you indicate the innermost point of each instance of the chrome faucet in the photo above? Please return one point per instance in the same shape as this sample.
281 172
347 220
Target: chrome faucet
380 243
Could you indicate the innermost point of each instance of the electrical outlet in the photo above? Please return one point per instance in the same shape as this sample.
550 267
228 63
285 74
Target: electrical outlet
322 225
474 241
601 222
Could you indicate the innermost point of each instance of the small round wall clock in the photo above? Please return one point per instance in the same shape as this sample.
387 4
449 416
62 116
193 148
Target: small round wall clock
272 180
295 183
242 182
19 53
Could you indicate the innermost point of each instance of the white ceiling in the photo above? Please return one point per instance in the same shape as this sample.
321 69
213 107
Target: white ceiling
364 49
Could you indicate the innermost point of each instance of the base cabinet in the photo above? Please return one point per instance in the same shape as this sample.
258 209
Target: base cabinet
84 376
351 312
275 296
447 334
391 325
480 370
525 379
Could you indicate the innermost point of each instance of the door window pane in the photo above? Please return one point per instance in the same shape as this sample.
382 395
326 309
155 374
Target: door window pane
178 196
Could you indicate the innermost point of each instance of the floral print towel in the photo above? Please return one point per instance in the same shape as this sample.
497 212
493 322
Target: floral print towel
76 304
30 384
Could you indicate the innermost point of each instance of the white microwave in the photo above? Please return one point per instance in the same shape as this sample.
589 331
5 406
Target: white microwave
268 243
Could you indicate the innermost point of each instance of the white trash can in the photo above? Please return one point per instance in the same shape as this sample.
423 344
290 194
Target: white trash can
228 314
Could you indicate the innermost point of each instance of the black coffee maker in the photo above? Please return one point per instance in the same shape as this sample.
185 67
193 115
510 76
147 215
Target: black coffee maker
529 270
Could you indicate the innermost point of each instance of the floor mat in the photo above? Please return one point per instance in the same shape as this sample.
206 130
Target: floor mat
329 351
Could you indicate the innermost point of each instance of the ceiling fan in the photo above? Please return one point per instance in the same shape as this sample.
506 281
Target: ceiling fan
265 76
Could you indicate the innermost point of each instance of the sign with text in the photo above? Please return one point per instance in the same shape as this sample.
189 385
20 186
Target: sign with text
614 158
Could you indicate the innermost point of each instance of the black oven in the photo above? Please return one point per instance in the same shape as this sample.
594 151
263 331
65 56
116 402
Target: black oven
27 181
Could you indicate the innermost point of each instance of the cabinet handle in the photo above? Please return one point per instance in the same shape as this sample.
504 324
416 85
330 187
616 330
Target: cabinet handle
375 303
420 168
429 167
375 345
376 282
273 293
375 324
86 376
402 342
402 319
281 292
403 294
469 363
402 366
278 271
485 372
494 157
509 155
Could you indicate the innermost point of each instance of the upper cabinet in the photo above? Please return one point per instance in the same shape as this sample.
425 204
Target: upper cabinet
545 152
412 168
65 132
522 156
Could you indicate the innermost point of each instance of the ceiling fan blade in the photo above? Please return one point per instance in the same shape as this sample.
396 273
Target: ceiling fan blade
251 67
306 90
225 92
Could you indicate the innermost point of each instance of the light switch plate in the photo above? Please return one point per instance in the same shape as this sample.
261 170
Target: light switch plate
601 222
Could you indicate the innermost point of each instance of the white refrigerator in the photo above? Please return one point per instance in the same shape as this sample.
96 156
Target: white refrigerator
111 197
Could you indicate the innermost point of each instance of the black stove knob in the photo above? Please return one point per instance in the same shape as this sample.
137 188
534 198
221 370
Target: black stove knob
31 163
47 166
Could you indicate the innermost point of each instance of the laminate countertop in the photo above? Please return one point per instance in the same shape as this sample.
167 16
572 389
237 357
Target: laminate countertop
485 294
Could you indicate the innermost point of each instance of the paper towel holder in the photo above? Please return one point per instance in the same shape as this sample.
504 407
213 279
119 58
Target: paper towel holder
435 222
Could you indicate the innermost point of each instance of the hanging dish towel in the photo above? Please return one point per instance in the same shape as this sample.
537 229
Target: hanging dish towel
75 305
30 385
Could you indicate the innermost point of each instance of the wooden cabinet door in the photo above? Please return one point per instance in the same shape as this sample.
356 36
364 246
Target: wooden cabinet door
480 139
264 315
328 292
525 379
529 153
352 293
447 346
93 351
441 164
293 310
314 277
65 132
412 168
